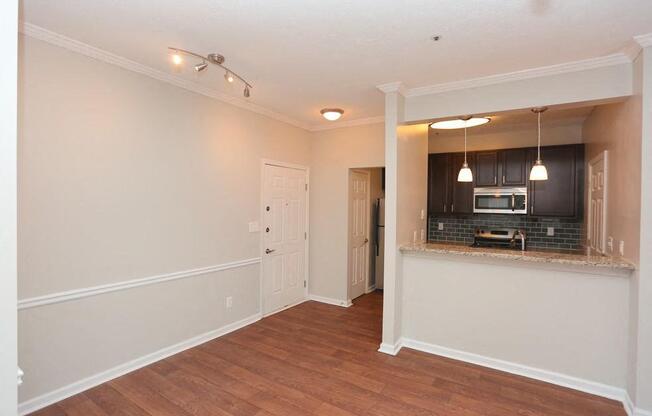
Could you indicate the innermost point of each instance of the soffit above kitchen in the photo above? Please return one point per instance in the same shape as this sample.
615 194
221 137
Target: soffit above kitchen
302 56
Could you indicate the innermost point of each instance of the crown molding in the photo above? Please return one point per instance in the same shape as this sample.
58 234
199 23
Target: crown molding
389 87
644 40
65 42
592 63
349 123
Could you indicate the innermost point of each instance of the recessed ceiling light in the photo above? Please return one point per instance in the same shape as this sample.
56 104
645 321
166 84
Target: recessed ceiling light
460 123
332 114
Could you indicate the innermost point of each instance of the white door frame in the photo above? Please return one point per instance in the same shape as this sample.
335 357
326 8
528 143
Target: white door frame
348 231
604 155
306 169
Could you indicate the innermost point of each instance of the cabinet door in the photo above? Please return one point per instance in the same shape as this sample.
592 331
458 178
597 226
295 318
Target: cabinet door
513 163
558 196
438 183
487 168
462 192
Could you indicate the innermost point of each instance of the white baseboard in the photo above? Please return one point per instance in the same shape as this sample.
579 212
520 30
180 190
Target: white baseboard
331 301
371 289
391 349
59 394
587 386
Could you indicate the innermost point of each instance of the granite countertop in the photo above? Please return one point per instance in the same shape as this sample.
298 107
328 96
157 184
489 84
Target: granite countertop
551 257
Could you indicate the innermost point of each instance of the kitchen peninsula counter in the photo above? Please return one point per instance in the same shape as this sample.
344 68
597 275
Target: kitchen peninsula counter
571 261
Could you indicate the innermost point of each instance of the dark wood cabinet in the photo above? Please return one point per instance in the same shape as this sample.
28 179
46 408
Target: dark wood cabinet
461 192
486 172
562 194
513 165
438 183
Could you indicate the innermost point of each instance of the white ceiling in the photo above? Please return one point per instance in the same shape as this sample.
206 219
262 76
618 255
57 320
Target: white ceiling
304 55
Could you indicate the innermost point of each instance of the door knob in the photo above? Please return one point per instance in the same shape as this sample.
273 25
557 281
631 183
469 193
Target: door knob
267 251
366 240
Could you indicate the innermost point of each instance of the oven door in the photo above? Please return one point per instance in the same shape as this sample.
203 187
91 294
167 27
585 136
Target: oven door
500 201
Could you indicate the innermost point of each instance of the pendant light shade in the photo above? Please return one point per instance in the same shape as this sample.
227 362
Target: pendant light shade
465 174
539 171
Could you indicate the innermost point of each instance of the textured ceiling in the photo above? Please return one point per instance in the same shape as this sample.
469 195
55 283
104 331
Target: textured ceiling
303 55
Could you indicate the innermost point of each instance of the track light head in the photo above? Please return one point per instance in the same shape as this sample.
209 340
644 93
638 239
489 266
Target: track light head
246 93
228 76
200 67
176 58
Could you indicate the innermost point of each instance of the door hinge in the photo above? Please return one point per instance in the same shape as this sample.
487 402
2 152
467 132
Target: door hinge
304 283
306 187
305 236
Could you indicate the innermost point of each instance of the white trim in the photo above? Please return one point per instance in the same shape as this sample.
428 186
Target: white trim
586 64
97 379
292 305
69 295
644 40
331 301
306 169
587 386
349 123
396 86
65 42
390 349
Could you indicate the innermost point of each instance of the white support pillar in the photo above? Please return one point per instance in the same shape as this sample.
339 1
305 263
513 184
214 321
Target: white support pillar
8 114
642 285
394 105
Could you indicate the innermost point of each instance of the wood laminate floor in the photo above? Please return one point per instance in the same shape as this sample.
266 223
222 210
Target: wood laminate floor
317 359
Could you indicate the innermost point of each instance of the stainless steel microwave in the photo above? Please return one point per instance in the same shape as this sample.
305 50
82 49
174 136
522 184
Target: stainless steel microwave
500 200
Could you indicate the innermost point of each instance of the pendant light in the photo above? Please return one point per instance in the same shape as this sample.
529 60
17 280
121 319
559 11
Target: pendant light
465 174
539 171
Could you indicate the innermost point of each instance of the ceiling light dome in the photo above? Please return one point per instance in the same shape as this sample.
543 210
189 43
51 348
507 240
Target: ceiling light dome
460 123
332 114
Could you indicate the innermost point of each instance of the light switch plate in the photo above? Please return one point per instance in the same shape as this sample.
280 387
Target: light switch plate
423 235
550 232
423 214
440 226
253 227
229 302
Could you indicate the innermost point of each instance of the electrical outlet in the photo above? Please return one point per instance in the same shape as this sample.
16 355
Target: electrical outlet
423 214
229 302
550 232
423 235
414 236
621 247
440 226
610 244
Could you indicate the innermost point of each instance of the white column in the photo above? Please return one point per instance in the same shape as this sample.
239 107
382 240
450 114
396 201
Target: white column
642 290
394 104
8 112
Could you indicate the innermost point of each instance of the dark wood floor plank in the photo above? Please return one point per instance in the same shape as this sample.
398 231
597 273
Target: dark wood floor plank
322 360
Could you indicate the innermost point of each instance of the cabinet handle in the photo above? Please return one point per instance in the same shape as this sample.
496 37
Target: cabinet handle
531 209
503 179
495 180
452 207
444 207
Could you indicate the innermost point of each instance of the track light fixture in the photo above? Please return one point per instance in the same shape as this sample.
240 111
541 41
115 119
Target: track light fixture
212 58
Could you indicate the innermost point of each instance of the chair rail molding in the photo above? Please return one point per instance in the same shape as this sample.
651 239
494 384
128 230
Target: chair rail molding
85 292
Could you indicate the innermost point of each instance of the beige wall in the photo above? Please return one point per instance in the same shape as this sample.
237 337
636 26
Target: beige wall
124 177
412 179
8 86
334 152
571 323
504 138
617 129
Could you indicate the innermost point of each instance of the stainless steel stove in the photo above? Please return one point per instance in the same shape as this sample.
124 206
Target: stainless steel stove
510 238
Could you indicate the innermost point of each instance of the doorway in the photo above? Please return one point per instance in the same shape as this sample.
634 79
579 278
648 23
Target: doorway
365 230
284 236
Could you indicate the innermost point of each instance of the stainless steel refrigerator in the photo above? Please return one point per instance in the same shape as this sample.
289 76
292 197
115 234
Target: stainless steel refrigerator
379 242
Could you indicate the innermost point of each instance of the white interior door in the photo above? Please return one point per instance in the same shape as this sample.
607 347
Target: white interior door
358 232
284 237
597 223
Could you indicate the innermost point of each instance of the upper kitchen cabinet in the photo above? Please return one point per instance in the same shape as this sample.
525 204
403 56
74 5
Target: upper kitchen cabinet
513 164
562 194
438 183
461 192
486 169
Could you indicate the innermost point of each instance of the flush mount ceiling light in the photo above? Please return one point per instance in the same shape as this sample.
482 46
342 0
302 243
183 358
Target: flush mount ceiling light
332 114
212 58
460 123
539 171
